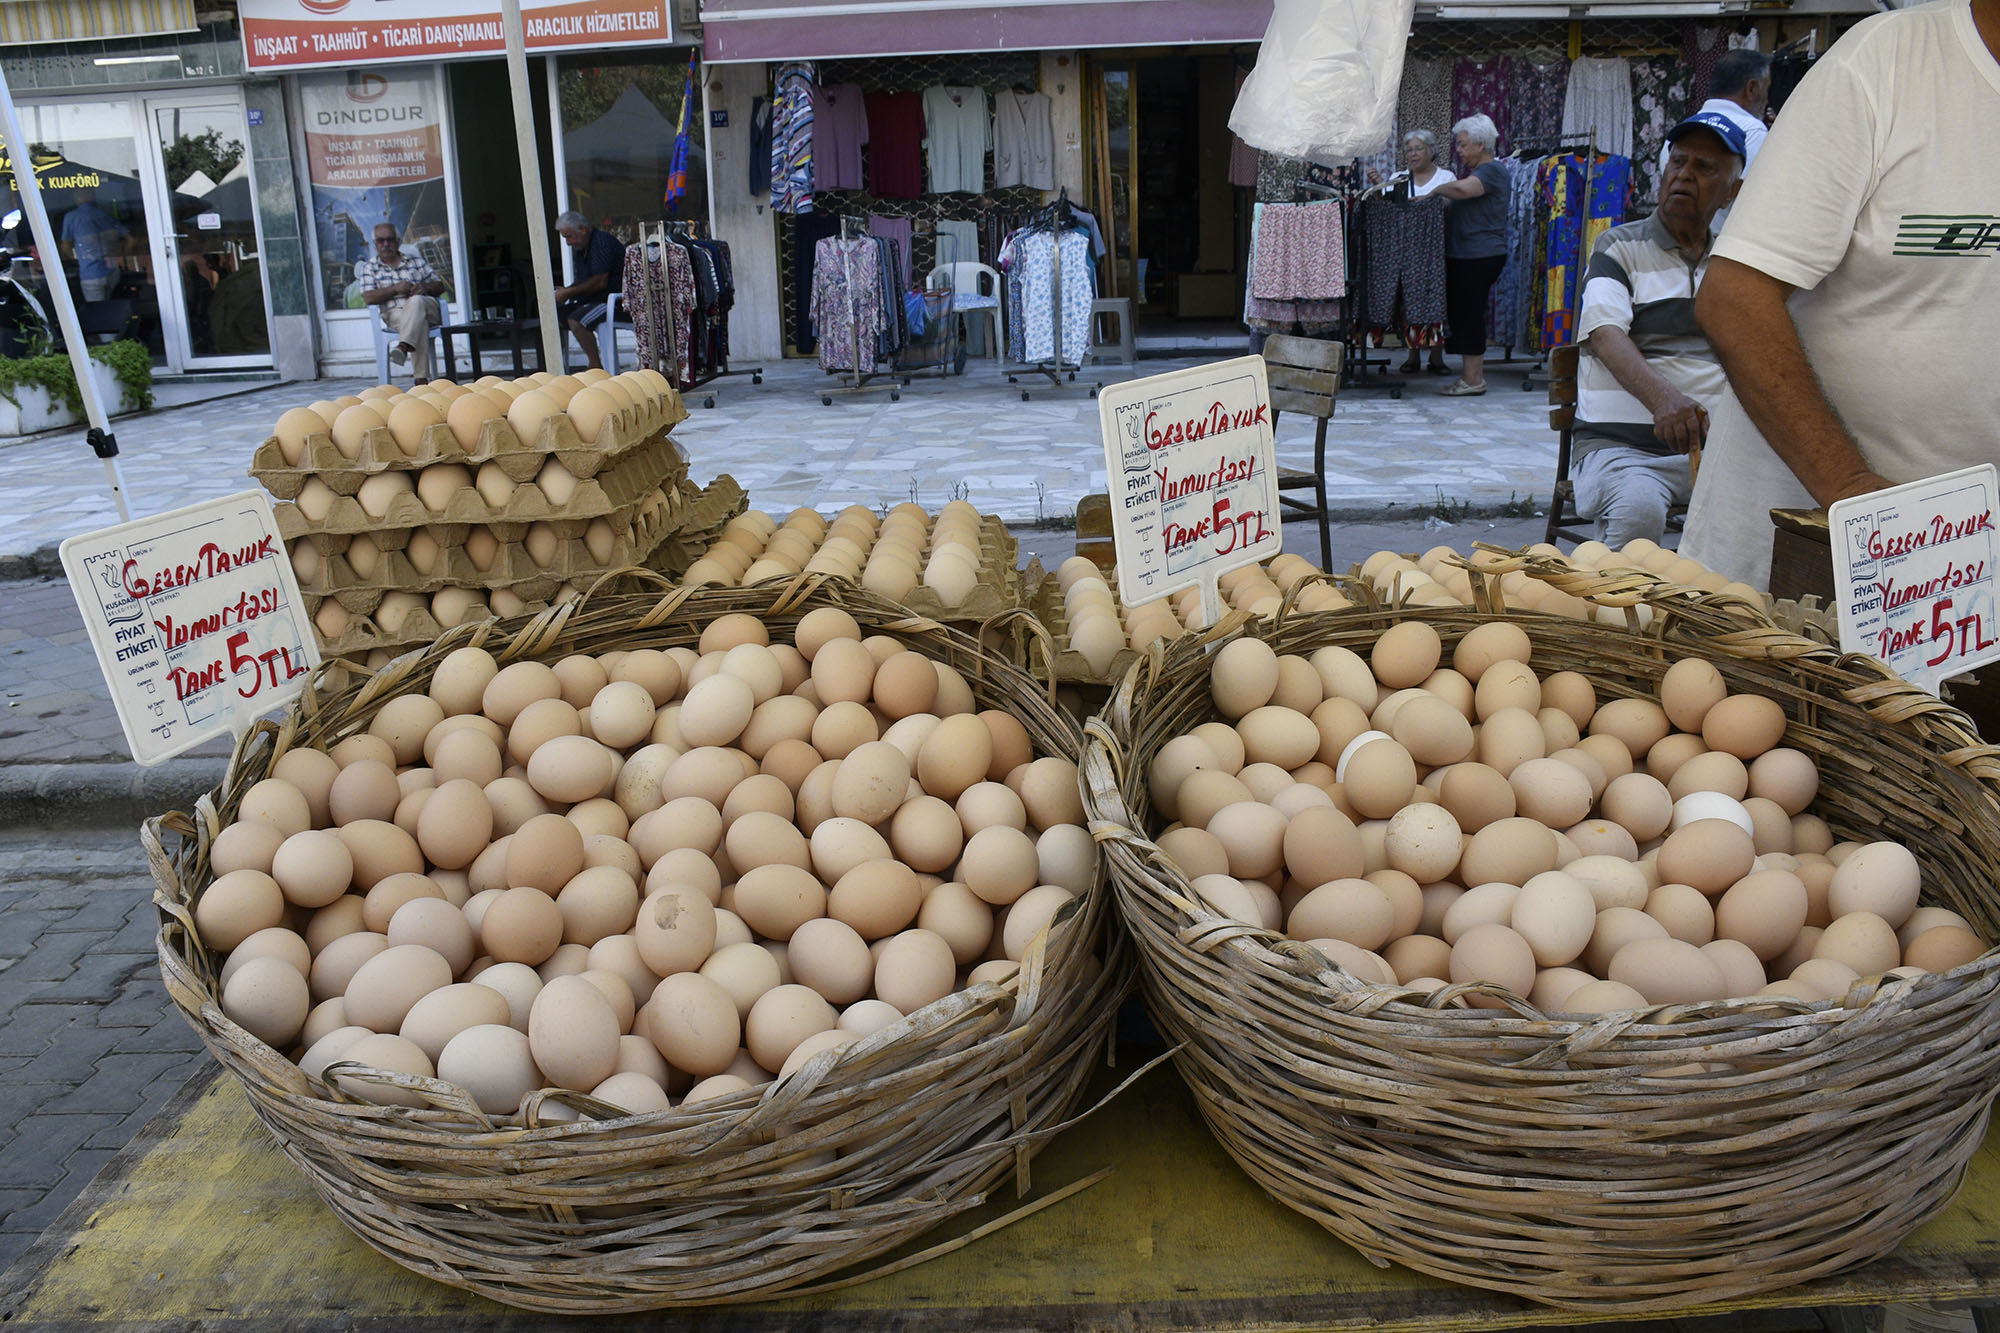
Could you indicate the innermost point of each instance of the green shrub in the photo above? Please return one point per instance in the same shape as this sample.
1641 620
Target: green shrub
129 361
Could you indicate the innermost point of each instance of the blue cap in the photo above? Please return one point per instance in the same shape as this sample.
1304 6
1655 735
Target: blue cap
1720 125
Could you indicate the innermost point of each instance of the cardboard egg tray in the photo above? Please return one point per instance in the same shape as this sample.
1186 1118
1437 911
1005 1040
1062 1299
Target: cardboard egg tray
718 502
1046 601
498 444
512 565
628 481
999 587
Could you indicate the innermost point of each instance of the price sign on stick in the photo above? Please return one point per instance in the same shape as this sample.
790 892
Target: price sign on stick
1194 478
196 618
1914 573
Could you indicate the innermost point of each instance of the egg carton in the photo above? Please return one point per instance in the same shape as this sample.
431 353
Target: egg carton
1071 666
999 587
498 444
717 503
603 495
512 564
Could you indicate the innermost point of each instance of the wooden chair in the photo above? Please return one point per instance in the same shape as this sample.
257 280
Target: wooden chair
1305 377
1564 521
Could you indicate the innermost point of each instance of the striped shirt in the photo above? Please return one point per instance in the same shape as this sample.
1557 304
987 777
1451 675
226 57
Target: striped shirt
1641 281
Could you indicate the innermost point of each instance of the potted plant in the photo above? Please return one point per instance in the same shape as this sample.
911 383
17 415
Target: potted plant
40 392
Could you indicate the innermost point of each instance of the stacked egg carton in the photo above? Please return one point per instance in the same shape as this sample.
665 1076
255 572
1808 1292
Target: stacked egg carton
957 567
407 513
1098 637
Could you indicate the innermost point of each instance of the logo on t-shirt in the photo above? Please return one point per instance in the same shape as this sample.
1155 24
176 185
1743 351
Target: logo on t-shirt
1938 235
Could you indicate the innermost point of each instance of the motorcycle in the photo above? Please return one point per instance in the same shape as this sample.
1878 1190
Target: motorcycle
25 329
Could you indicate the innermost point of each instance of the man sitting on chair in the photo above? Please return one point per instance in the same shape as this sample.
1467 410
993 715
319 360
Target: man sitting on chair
1647 376
598 261
404 288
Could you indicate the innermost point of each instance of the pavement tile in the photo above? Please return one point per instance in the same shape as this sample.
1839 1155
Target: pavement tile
44 1145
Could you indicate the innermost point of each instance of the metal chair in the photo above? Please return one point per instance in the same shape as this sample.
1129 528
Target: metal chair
1305 377
975 290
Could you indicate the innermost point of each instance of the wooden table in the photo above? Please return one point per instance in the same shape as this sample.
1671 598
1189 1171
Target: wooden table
203 1222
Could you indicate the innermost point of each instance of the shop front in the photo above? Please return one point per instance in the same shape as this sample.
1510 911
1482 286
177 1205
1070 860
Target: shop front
152 189
409 122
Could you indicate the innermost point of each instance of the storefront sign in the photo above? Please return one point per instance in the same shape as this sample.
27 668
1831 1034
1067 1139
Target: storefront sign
374 154
318 34
196 618
1915 568
1193 474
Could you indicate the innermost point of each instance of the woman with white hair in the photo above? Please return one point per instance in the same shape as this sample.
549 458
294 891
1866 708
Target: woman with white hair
1475 248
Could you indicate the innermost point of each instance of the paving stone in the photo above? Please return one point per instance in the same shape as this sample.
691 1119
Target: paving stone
44 1144
31 1027
76 1047
98 975
117 1086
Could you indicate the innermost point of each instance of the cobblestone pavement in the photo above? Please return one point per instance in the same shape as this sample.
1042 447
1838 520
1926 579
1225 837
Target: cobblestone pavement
90 1048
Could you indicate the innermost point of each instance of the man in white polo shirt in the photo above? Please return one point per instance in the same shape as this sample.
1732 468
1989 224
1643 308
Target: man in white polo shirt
1854 297
1648 378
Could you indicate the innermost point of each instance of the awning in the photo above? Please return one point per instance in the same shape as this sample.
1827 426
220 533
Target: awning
745 30
24 22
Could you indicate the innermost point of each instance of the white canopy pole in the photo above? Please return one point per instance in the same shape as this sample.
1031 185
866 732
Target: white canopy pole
30 190
528 141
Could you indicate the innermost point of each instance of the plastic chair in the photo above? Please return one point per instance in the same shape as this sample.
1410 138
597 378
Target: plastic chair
607 334
385 338
975 290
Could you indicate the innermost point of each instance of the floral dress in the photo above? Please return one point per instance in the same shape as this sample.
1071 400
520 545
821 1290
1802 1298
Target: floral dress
1535 104
1482 88
1662 93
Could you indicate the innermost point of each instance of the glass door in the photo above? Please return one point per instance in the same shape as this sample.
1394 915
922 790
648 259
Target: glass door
212 281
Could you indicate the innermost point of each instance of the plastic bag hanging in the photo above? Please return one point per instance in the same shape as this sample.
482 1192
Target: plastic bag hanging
677 173
1326 80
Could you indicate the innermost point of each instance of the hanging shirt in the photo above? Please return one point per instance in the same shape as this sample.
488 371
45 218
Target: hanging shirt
1575 223
895 145
1030 257
792 92
959 133
840 127
1024 141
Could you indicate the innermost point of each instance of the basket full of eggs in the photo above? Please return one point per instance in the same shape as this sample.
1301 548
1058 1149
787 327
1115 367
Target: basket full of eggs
1617 970
662 949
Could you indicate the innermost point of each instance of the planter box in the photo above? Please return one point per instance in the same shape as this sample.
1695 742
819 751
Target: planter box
38 411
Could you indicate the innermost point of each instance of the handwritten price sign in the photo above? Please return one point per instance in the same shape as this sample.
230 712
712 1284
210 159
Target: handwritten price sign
1915 569
1193 475
196 618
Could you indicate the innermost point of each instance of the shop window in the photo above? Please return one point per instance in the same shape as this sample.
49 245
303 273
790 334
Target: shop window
619 124
87 163
374 154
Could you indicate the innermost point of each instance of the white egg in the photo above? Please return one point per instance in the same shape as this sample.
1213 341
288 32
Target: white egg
1711 805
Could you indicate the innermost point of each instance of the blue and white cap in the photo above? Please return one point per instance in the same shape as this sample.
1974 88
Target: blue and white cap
1718 124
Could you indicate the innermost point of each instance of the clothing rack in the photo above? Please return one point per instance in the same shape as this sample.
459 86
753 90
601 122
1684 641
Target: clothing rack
691 229
1356 360
1561 146
855 379
1058 217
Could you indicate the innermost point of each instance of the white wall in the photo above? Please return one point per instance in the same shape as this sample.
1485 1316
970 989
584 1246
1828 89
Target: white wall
755 331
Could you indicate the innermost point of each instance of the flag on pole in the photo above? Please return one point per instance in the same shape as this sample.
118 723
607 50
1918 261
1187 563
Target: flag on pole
677 174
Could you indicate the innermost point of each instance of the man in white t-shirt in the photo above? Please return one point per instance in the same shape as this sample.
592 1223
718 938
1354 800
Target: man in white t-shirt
1854 297
1739 92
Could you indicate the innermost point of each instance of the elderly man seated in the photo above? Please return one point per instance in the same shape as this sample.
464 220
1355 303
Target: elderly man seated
1647 376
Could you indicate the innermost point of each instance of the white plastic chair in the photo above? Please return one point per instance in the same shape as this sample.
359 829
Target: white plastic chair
385 338
607 334
975 291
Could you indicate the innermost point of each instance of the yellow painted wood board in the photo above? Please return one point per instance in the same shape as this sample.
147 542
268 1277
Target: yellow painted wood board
203 1221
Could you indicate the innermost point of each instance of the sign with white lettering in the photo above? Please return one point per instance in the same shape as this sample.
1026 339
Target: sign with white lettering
1193 474
1914 573
196 618
319 34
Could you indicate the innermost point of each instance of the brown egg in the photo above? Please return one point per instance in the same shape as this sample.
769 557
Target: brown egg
1508 851
1689 689
1243 676
782 1018
1495 641
1861 940
913 969
1668 971
1637 723
1745 725
1764 910
1942 948
1709 854
1496 954
1882 878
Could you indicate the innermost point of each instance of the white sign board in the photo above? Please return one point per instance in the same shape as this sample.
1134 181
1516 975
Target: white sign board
1914 574
196 618
1193 473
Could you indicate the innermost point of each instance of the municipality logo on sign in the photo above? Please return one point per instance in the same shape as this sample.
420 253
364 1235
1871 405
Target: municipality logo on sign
1943 235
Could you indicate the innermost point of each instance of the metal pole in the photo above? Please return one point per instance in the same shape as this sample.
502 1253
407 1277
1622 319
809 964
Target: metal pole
527 139
101 439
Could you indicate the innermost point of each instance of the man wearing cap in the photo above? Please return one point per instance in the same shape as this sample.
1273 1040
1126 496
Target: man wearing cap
1647 377
1853 297
1740 91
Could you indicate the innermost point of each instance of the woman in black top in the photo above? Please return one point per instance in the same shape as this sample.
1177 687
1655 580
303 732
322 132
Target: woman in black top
1475 248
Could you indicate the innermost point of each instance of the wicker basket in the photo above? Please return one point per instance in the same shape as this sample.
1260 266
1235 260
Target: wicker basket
1645 1160
743 1198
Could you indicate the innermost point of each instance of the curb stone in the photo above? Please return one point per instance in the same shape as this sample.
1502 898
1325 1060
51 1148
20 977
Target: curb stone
102 793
